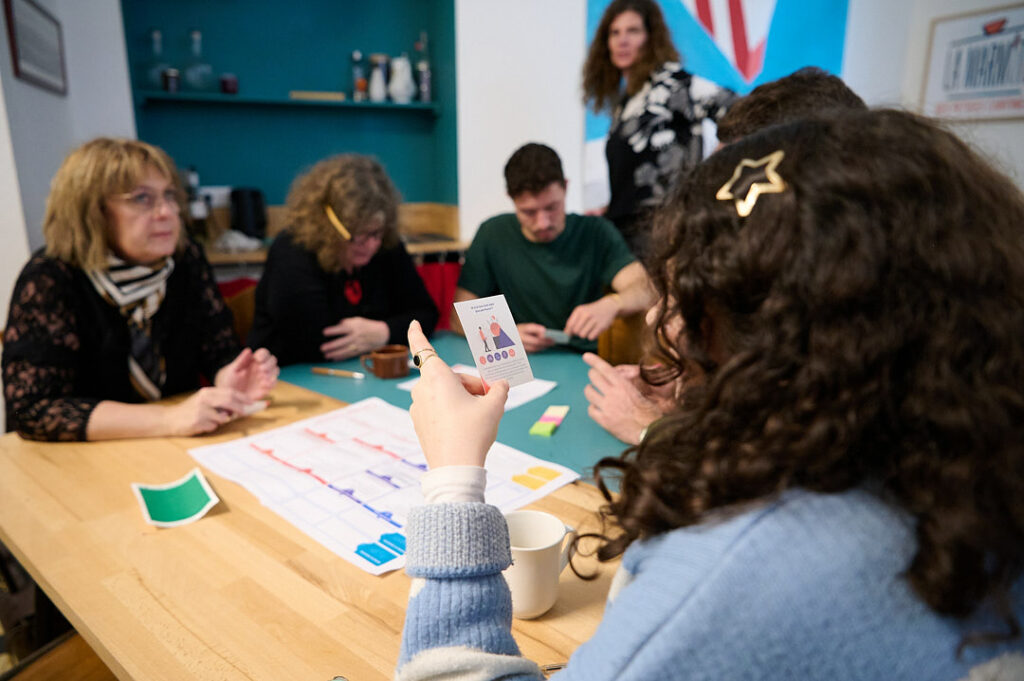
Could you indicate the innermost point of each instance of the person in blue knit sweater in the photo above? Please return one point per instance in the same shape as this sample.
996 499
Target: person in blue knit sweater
838 493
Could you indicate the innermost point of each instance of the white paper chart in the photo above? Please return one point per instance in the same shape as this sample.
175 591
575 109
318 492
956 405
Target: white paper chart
348 478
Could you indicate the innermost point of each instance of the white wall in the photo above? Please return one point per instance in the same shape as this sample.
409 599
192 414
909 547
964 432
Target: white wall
519 67
12 223
45 126
100 97
875 52
14 252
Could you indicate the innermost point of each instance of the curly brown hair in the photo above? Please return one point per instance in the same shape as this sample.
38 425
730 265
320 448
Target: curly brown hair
806 92
359 192
75 225
601 78
869 320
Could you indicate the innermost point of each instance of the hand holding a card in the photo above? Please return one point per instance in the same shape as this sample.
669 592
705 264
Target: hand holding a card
534 337
588 321
205 411
456 420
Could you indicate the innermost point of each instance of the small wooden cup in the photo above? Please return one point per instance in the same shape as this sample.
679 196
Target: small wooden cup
390 361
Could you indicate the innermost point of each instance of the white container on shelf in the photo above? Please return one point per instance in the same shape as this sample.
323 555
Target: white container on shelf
378 89
402 87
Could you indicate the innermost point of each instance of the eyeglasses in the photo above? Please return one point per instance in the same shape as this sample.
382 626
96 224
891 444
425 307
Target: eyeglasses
146 201
362 238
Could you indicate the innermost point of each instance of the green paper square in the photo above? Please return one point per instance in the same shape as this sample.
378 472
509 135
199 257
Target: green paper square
176 503
545 428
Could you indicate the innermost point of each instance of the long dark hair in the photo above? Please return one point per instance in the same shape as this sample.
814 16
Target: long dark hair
601 78
864 326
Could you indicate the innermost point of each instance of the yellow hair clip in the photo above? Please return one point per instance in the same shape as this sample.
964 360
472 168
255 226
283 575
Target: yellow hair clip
753 179
337 223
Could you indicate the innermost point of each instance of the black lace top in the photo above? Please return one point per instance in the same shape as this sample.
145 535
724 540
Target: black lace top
65 349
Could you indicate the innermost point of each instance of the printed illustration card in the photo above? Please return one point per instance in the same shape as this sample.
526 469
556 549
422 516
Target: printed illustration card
494 340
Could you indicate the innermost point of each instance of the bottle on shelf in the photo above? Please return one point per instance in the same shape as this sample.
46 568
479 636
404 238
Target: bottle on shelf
198 208
378 88
153 73
359 84
198 74
423 76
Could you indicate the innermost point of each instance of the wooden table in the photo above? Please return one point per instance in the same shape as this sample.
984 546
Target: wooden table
241 594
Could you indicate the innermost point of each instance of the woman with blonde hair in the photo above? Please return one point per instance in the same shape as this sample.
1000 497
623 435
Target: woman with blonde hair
658 109
338 282
120 308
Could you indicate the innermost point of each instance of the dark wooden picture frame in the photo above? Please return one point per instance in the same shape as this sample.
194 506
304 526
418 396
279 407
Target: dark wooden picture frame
37 45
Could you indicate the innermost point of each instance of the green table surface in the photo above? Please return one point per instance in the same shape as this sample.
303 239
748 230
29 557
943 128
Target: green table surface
577 444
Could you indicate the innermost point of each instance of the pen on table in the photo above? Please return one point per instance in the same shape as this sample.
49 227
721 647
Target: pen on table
324 371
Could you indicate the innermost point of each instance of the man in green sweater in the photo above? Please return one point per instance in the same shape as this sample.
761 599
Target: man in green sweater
569 273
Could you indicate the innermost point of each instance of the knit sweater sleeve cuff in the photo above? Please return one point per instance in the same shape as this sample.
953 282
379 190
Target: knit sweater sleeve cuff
456 541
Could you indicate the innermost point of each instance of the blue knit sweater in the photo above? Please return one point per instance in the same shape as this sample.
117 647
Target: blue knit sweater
806 587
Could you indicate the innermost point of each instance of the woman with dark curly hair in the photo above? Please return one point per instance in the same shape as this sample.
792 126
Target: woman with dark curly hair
120 309
338 282
658 108
839 492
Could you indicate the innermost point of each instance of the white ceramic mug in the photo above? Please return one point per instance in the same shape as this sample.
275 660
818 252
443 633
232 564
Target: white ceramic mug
542 546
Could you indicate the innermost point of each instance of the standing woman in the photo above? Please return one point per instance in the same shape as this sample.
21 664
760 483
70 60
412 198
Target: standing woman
338 282
657 117
120 309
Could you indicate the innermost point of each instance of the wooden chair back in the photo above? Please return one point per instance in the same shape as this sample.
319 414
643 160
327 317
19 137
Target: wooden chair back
243 309
623 341
440 219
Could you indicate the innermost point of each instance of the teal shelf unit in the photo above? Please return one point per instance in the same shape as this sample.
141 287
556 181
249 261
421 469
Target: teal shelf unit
156 97
261 137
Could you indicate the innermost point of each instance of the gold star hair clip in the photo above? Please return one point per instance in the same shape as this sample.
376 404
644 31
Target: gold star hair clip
337 223
751 179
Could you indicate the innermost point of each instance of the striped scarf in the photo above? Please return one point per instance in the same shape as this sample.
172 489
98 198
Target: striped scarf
137 291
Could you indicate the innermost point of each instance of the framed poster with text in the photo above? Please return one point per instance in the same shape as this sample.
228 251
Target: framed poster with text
975 65
37 47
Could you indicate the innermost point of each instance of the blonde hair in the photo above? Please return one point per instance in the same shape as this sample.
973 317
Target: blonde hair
76 227
357 189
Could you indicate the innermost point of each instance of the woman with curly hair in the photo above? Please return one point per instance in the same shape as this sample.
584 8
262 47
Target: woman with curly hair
839 492
120 309
338 282
658 108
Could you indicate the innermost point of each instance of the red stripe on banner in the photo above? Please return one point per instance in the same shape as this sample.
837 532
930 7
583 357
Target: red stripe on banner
704 15
739 39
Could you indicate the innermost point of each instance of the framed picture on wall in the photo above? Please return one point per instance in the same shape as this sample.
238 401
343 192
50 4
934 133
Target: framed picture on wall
37 47
975 65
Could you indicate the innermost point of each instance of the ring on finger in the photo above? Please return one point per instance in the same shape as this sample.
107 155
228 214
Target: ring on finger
419 358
